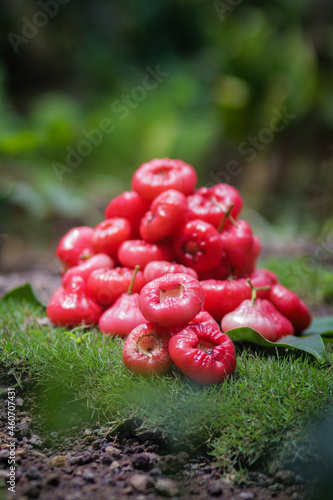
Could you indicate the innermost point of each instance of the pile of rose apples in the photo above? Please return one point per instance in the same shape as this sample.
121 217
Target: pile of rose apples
171 269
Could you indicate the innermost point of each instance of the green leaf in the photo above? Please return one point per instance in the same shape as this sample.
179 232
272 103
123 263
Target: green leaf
312 344
23 293
321 325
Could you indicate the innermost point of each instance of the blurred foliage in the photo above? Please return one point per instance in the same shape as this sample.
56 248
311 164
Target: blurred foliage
225 72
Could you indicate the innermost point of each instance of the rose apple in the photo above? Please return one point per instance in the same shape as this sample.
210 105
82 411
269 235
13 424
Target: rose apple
291 306
107 285
167 213
109 234
211 204
158 175
259 314
75 245
122 317
73 305
238 246
223 296
139 252
171 300
157 268
145 350
129 205
98 261
203 353
198 245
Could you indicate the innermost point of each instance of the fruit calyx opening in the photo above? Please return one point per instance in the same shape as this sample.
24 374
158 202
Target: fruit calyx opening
175 293
208 347
149 345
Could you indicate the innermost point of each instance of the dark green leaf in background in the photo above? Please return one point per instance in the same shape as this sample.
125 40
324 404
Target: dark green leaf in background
23 293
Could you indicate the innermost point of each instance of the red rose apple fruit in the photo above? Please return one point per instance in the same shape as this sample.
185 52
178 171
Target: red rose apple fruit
129 205
211 204
107 285
75 245
73 305
203 353
223 296
158 175
262 278
291 306
198 245
171 300
98 261
157 268
145 350
167 213
204 317
139 252
253 315
259 314
109 234
124 315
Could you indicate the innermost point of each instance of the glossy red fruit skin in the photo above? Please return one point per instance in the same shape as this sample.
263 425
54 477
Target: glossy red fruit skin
251 265
73 305
171 300
122 317
129 205
168 211
202 204
282 324
291 306
252 315
74 245
223 296
109 234
161 174
238 246
145 350
204 317
203 353
157 268
106 285
220 272
139 252
87 266
198 245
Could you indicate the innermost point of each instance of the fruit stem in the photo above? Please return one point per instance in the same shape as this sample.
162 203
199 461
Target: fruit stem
254 290
129 291
226 215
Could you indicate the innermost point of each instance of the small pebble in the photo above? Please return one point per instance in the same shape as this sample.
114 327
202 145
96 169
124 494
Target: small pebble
215 489
166 487
246 495
140 481
33 473
89 476
58 461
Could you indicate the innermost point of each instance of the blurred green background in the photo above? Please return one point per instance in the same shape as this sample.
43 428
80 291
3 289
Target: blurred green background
242 90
